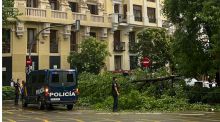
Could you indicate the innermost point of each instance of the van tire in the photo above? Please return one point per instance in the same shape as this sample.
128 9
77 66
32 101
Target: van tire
40 105
69 107
49 106
24 103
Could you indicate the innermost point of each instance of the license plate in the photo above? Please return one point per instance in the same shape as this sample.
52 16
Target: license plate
55 99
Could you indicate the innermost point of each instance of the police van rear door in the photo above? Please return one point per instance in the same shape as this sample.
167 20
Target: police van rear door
62 85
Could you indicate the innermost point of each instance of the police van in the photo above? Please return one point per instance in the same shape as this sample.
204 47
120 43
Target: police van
51 87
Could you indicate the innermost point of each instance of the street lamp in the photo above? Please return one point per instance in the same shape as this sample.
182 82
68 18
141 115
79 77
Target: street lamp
76 29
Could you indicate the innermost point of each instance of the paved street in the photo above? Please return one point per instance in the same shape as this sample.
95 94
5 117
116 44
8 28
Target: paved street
60 114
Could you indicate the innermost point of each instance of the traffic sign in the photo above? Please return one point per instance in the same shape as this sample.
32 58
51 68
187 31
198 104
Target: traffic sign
145 62
29 62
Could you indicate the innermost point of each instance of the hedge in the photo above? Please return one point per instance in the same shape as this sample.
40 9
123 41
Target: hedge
8 93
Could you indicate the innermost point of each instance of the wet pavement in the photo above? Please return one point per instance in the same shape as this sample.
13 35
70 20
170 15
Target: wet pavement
11 113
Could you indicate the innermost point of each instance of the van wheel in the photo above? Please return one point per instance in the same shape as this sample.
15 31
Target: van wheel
69 107
49 106
24 103
40 105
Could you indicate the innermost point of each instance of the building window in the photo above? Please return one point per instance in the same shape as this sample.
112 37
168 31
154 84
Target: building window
116 8
133 62
117 36
92 34
53 41
31 32
6 40
74 6
131 41
93 9
132 37
151 0
125 10
137 12
118 62
32 3
73 42
54 4
151 13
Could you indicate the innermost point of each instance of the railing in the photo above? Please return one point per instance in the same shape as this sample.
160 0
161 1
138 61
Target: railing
119 18
131 47
58 14
79 16
35 12
119 46
74 47
152 20
96 18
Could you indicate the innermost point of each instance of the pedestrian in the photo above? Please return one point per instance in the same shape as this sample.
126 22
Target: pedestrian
115 94
23 90
17 91
12 82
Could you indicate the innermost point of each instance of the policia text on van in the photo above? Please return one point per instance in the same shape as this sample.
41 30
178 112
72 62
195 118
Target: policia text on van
51 87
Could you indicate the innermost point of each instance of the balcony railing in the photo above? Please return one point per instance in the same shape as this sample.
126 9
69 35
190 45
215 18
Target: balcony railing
152 20
74 47
132 47
79 16
119 46
96 18
58 14
119 18
35 12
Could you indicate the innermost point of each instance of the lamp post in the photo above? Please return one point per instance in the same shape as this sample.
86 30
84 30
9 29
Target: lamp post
77 28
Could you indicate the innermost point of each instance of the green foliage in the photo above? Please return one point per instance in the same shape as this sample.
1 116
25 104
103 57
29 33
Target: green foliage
155 44
95 92
203 95
8 93
91 56
8 11
196 47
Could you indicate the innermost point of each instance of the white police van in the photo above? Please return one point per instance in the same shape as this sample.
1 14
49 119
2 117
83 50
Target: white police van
51 87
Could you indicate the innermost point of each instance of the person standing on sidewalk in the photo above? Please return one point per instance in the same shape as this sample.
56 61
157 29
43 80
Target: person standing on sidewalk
115 94
17 91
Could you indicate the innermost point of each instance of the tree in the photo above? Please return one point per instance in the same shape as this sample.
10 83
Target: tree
154 43
8 11
91 57
197 38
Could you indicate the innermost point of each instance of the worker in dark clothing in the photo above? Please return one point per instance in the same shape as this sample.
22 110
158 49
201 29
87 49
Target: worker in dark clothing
115 94
17 91
23 88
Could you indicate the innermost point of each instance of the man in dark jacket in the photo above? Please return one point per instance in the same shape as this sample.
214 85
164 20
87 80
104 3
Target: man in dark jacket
115 94
17 91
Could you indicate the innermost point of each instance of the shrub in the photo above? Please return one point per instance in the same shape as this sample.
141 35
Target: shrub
8 93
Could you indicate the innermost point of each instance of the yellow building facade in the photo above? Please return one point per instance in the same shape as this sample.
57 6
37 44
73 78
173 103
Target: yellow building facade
115 21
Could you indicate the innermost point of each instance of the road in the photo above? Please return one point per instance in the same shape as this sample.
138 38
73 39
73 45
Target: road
13 113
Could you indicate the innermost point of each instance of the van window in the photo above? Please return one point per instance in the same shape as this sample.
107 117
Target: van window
55 78
63 76
69 76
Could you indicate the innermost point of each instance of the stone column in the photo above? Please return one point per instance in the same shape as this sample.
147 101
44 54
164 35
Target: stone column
159 20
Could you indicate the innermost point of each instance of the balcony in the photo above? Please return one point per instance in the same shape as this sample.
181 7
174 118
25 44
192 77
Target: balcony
152 20
119 18
132 47
119 46
97 18
88 19
79 16
58 14
35 12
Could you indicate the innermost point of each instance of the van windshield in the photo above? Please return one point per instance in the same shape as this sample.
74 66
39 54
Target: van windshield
63 76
